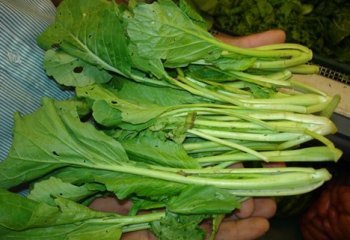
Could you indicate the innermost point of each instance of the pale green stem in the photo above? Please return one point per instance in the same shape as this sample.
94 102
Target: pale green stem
227 143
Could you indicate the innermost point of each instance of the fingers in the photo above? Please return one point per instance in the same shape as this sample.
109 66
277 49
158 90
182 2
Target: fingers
254 40
138 235
264 207
274 164
257 207
245 229
111 204
246 210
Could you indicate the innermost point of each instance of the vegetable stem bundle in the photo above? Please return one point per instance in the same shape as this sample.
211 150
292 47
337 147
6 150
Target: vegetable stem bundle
162 109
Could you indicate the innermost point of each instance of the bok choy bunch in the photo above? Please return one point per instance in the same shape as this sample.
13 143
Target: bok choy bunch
162 109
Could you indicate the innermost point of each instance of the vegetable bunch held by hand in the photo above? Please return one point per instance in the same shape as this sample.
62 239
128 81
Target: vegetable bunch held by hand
162 109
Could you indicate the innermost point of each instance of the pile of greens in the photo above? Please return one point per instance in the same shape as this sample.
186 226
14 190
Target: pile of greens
323 26
162 110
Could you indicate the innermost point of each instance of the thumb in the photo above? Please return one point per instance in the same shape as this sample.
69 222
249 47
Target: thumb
254 40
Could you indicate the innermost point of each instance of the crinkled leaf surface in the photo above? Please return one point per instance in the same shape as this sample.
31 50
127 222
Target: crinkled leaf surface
54 137
155 149
134 112
72 71
190 10
203 200
92 31
162 31
180 227
83 231
20 213
123 184
164 96
49 189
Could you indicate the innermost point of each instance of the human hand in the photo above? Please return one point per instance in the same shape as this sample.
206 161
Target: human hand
254 40
249 222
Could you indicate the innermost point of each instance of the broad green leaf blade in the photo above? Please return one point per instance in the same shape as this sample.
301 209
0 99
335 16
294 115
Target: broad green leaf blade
122 184
163 96
156 149
20 213
152 66
47 190
105 115
72 71
143 204
162 31
208 73
92 31
134 112
237 63
203 200
77 231
54 137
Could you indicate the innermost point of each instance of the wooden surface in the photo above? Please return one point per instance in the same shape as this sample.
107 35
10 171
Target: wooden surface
331 87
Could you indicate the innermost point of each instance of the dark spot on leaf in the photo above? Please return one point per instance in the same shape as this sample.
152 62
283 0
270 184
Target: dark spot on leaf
61 194
55 45
90 35
114 102
55 153
78 69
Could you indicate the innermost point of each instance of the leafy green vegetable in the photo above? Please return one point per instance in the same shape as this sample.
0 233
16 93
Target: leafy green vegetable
162 109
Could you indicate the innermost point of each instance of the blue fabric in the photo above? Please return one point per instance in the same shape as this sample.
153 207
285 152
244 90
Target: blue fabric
23 81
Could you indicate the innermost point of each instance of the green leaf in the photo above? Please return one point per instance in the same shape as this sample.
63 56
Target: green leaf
203 200
340 25
217 219
142 204
54 137
190 10
72 71
122 184
92 31
82 231
154 148
237 63
47 190
134 112
20 213
180 227
208 73
151 66
163 96
172 37
126 185
105 115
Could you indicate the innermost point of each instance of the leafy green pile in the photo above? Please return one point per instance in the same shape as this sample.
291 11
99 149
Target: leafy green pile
162 109
322 25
